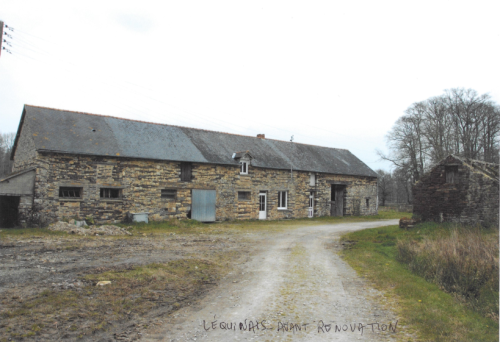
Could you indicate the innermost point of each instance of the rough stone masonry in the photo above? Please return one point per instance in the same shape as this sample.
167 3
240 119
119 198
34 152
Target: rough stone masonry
459 190
141 182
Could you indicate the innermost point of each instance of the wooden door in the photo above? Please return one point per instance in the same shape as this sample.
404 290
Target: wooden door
337 200
339 203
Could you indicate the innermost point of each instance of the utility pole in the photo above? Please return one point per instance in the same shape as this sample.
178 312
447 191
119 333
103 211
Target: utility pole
291 162
4 41
1 36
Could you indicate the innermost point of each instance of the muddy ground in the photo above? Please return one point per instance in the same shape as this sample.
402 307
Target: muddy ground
57 272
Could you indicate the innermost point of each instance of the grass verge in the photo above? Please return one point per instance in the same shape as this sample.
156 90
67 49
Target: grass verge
435 314
175 226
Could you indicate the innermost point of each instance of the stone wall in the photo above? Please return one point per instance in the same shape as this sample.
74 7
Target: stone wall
472 199
141 181
26 155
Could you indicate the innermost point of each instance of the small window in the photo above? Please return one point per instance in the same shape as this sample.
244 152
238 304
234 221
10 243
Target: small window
169 193
186 172
111 193
67 192
451 174
244 196
244 168
368 203
282 199
312 179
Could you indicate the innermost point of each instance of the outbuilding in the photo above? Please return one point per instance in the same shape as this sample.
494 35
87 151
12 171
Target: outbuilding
458 190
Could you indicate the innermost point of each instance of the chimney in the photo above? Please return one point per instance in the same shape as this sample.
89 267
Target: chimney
261 136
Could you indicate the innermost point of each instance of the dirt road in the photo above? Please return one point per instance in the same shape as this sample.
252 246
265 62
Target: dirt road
295 289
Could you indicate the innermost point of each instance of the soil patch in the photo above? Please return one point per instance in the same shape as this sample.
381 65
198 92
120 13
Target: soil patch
48 284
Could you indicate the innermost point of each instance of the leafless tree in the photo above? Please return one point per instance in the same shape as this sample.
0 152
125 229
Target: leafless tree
6 144
459 122
385 186
437 131
475 123
407 143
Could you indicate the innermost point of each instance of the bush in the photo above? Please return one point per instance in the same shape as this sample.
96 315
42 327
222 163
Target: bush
464 262
89 220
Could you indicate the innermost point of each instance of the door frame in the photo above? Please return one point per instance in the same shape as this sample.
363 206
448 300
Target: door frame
337 206
310 212
263 214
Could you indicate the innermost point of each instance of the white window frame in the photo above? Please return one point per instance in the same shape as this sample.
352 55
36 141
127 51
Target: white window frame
280 204
244 168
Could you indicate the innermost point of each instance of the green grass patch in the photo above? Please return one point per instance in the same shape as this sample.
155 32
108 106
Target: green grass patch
180 272
434 313
174 226
28 232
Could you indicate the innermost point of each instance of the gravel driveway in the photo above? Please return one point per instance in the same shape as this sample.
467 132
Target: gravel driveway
296 288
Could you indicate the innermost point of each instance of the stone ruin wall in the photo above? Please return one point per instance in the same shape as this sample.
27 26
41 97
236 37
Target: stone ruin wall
473 200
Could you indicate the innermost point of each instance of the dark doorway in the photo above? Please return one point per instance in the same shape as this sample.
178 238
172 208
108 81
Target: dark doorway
9 211
337 200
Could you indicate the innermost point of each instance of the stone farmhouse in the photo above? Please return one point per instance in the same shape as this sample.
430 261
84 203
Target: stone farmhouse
71 164
458 190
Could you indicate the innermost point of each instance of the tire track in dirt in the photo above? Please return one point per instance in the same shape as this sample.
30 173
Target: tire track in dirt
297 288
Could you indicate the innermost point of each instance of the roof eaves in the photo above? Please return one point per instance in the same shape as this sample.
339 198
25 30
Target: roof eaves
13 175
21 121
316 171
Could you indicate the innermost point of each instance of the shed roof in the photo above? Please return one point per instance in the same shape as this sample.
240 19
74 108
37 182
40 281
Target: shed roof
491 170
82 133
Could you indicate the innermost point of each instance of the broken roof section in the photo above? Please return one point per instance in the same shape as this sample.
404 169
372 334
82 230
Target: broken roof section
81 133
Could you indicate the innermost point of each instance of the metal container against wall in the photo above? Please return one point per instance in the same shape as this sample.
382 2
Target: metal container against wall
140 217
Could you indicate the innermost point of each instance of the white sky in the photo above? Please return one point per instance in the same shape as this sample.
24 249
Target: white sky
331 73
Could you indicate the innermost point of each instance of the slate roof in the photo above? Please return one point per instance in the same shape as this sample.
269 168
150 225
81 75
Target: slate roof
90 134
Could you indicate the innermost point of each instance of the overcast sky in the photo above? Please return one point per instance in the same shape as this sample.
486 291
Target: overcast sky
330 73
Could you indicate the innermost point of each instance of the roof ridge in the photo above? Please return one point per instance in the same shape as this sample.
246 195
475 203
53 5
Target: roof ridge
162 124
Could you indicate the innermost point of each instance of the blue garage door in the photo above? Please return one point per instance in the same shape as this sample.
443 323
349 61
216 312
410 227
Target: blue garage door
203 205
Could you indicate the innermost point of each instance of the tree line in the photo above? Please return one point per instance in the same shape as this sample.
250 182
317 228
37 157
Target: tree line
6 144
459 122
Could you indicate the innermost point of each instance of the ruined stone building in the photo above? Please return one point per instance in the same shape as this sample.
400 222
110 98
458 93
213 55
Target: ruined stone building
70 164
458 190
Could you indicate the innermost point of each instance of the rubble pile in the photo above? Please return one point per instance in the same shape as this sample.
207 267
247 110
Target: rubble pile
72 228
407 223
70 284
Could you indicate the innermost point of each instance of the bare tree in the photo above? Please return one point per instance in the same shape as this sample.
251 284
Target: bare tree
403 179
438 130
6 145
476 123
406 141
385 186
459 122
